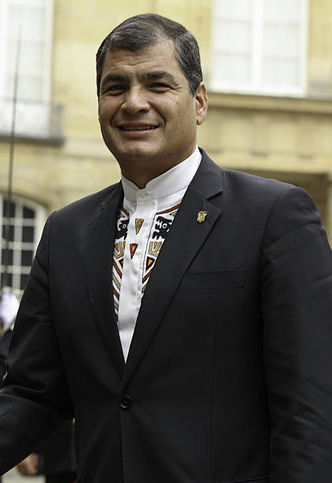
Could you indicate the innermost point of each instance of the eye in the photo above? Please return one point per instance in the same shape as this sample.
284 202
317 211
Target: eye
114 89
159 86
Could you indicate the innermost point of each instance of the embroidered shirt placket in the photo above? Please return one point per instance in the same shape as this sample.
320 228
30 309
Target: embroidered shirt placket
151 212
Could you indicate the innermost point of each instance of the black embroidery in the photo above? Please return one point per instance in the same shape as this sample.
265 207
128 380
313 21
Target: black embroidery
162 226
121 228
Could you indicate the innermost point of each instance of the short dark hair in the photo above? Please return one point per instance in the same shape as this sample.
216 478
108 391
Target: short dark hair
147 29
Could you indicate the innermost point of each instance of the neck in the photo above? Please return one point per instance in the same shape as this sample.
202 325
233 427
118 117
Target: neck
140 172
141 177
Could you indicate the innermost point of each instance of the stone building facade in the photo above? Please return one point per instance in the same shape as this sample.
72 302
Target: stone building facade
58 152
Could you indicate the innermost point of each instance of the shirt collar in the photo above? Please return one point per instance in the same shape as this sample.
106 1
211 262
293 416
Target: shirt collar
175 179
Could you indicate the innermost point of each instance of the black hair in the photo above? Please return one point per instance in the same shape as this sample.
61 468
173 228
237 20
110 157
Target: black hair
147 29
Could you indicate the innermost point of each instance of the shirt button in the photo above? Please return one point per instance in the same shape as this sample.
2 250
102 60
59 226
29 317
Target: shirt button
126 402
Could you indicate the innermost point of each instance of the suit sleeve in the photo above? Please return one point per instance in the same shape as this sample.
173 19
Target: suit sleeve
4 346
297 316
34 397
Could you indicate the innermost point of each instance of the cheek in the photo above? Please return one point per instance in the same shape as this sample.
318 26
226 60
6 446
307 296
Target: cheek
101 114
105 111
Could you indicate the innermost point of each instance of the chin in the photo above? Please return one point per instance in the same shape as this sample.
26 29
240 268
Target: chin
138 155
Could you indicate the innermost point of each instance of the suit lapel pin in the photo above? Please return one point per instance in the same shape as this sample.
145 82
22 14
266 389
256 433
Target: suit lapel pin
201 215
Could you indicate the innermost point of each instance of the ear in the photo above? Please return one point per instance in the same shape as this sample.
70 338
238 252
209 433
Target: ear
201 99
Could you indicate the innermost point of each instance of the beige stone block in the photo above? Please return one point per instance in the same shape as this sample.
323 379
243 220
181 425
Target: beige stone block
305 127
210 132
236 131
283 134
320 27
329 206
320 76
259 139
322 137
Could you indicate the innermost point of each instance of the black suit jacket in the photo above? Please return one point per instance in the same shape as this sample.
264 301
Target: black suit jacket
4 347
228 377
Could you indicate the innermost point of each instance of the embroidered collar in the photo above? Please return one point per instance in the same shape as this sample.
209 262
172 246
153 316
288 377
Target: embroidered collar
171 182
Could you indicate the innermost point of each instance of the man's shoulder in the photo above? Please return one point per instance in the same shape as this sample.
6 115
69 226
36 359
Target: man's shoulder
89 204
244 184
253 182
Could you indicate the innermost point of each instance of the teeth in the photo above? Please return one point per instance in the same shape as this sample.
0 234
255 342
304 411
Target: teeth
137 128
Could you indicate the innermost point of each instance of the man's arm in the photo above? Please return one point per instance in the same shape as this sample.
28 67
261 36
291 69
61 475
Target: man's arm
29 466
297 317
34 397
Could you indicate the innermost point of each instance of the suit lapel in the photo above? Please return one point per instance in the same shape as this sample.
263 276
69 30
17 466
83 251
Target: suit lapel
183 242
99 259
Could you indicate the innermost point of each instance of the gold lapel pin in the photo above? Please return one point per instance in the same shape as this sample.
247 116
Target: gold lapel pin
201 215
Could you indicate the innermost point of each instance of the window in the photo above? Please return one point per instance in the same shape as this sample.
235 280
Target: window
26 222
259 46
25 52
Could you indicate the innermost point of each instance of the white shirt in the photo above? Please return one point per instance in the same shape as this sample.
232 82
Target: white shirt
144 221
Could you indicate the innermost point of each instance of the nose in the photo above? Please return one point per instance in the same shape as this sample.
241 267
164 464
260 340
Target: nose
136 101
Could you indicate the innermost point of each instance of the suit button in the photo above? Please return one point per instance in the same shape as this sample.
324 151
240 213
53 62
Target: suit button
126 402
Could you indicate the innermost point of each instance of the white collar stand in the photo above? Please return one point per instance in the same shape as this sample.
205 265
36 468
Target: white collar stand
174 180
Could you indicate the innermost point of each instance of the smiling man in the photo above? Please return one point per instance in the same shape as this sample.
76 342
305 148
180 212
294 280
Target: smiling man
147 112
183 315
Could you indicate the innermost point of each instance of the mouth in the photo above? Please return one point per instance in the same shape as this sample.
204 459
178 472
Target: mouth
136 128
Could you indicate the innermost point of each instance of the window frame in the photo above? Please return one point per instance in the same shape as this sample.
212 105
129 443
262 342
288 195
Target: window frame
32 116
256 87
18 245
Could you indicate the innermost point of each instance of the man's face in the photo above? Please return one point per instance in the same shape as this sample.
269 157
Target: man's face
147 114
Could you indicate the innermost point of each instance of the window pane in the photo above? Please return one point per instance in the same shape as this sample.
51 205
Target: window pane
28 234
233 69
34 23
22 230
283 10
29 89
281 40
234 37
26 21
280 72
28 212
23 281
267 41
31 60
7 257
14 21
233 7
26 258
8 232
5 208
9 279
30 22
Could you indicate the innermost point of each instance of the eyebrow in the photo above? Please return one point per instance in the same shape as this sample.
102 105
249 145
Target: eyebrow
113 78
160 75
157 75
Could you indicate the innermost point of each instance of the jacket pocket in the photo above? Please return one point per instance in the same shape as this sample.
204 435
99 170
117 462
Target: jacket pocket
219 279
253 479
257 479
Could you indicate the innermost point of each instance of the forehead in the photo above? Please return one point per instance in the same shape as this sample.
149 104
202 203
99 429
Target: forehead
157 57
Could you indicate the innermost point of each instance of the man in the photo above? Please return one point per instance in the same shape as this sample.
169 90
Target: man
211 361
55 458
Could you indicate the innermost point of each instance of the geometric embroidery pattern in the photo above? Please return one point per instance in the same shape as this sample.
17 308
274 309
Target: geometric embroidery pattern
138 224
133 248
161 225
118 255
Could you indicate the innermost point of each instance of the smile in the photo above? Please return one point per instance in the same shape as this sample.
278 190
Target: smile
137 128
